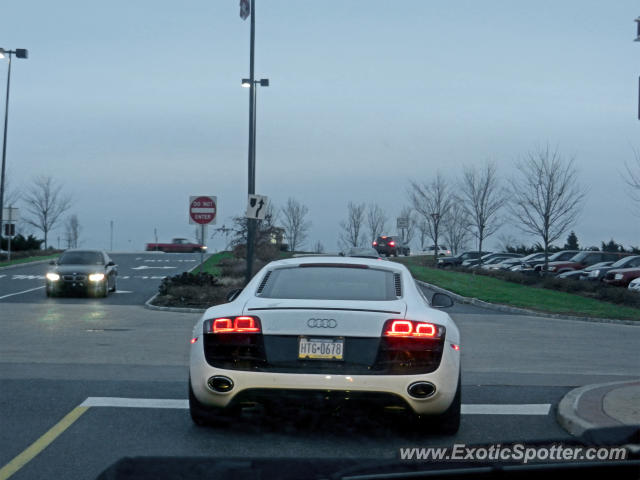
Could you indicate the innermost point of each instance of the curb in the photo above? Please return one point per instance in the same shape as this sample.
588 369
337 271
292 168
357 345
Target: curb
588 400
148 304
508 309
36 262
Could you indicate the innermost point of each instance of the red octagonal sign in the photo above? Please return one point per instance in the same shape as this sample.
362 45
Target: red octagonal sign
202 210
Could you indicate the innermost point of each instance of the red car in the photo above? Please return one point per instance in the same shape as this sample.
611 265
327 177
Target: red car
177 245
621 277
583 260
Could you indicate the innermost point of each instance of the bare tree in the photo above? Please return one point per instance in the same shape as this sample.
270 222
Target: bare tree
432 201
72 231
295 224
46 203
351 228
409 232
546 196
376 221
456 227
318 247
423 230
633 177
482 199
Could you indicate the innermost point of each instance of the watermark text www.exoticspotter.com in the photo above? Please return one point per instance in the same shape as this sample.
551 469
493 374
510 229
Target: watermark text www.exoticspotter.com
513 453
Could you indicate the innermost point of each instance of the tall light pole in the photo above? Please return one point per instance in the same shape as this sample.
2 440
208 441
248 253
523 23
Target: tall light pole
251 83
637 39
19 53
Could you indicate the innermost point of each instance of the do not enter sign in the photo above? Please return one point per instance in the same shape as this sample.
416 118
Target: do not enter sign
202 210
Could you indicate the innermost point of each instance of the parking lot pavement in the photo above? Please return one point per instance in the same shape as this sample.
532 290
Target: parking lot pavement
139 275
98 382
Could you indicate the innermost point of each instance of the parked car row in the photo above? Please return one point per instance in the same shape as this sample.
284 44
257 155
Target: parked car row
611 268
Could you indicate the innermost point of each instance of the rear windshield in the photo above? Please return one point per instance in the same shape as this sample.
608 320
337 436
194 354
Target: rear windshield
81 258
330 283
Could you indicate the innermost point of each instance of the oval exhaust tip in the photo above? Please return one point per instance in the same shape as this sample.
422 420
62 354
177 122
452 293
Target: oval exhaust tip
421 389
220 383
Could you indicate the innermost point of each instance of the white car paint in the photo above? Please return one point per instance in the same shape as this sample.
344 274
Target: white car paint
351 323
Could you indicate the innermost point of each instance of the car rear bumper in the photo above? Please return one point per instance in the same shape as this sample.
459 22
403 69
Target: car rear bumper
247 384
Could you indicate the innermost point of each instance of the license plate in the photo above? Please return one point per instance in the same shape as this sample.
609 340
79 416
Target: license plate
321 348
382 244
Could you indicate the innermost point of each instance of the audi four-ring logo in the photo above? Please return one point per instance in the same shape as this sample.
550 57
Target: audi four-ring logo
322 323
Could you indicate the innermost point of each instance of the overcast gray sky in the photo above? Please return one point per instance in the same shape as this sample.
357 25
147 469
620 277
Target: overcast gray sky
135 106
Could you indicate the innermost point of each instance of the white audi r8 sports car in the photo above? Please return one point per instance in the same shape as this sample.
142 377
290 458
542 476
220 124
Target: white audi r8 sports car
308 328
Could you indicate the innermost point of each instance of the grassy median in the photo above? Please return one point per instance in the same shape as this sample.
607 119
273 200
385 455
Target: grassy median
210 265
36 258
494 290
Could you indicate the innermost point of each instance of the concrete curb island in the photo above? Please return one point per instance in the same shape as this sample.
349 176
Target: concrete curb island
601 405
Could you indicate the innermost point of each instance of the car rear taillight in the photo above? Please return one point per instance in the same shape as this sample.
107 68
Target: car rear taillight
412 328
375 244
392 243
240 324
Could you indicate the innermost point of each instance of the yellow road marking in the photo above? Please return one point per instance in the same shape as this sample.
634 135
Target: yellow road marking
40 444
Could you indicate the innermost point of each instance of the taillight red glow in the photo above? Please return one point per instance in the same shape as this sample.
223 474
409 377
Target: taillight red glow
425 330
411 328
221 325
241 324
455 347
392 243
245 324
194 340
375 243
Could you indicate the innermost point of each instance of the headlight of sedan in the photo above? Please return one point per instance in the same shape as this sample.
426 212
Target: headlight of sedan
53 277
96 277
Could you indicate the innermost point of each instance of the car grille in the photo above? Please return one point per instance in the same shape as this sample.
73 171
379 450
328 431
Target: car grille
74 278
363 356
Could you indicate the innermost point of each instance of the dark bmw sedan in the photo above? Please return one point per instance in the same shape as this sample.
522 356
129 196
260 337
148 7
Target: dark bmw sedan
91 272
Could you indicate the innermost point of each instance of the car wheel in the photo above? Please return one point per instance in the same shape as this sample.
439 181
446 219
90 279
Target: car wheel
115 285
448 422
105 289
395 253
204 416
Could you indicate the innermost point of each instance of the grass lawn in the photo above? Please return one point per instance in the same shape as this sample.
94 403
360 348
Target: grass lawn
494 290
210 265
29 260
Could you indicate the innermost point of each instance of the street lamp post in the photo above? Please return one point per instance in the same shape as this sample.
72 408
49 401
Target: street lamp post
251 223
19 53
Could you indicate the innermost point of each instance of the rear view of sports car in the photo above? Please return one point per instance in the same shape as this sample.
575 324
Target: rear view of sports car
305 328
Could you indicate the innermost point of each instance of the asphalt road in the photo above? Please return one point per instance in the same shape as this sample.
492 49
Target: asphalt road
56 355
139 275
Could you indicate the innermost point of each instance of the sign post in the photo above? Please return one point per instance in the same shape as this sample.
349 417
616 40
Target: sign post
401 224
202 211
11 215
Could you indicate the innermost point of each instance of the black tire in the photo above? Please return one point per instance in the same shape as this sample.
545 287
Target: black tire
448 422
205 416
115 285
49 293
105 289
395 253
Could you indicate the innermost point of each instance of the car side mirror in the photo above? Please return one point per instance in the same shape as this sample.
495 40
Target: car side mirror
233 294
111 264
441 300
